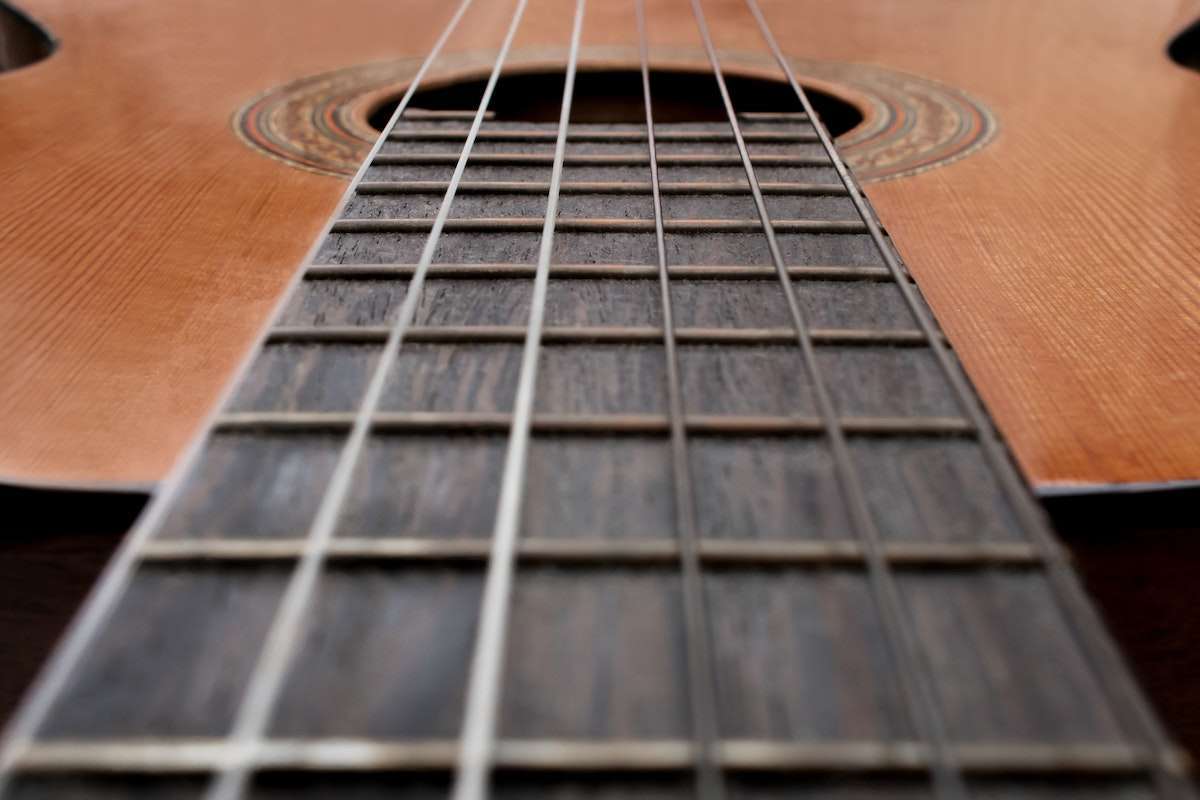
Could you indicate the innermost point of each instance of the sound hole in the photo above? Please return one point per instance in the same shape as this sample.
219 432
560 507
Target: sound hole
22 40
615 96
1184 49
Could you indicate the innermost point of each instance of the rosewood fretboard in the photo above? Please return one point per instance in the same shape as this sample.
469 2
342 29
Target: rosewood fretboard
617 460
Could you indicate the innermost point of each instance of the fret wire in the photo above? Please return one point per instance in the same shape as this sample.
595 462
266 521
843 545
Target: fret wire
115 579
701 681
593 225
608 424
564 756
478 735
1104 660
947 780
574 334
487 270
603 160
612 137
574 550
287 625
602 187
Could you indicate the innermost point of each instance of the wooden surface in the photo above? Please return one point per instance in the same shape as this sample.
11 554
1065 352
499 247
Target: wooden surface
54 558
143 244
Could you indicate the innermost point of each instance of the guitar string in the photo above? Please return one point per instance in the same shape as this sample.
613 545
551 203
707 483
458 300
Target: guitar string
288 624
117 575
701 680
1104 659
478 734
947 778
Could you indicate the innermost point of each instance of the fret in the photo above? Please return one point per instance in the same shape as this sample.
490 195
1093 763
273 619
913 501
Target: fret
566 755
578 134
630 271
501 224
440 115
614 424
593 160
599 550
368 334
599 187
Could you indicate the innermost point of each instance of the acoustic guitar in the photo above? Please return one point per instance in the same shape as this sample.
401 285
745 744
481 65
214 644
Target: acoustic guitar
603 445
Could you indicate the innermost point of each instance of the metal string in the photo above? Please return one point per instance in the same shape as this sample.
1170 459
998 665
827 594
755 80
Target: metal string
117 575
288 624
478 735
918 690
1105 660
701 680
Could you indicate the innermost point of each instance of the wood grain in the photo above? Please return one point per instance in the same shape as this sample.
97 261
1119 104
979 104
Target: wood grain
143 245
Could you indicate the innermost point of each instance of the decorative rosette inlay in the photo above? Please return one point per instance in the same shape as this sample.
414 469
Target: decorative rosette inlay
910 124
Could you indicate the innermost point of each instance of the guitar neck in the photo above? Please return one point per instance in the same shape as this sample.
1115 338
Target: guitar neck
617 460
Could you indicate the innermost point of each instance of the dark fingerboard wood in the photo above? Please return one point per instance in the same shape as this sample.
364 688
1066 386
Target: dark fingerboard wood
812 683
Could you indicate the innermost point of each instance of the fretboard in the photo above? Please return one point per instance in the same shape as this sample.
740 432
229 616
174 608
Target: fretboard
615 460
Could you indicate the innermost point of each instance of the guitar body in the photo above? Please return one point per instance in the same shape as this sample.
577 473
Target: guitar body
605 441
144 242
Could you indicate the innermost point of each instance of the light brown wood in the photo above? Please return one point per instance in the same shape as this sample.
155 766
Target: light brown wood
142 244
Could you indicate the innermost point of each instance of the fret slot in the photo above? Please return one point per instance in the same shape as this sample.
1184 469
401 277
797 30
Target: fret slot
373 300
578 632
860 304
458 302
844 248
941 486
386 652
766 489
306 377
751 380
454 246
599 488
609 303
730 304
434 486
974 635
886 381
801 655
456 377
255 484
601 379
794 173
175 658
681 206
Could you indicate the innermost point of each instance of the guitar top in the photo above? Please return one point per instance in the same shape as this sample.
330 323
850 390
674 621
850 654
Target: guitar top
145 238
